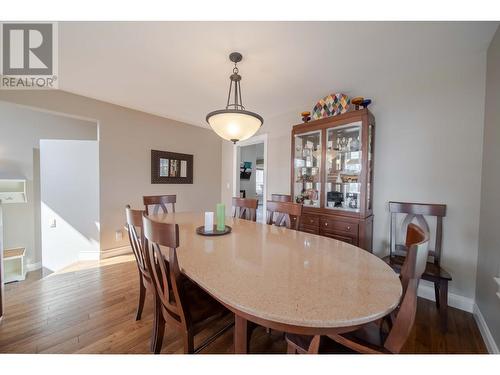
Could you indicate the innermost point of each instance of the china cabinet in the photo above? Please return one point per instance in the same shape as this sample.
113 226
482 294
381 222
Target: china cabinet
332 176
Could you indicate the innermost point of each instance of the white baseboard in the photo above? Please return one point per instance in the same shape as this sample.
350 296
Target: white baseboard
485 331
115 252
89 255
426 290
32 266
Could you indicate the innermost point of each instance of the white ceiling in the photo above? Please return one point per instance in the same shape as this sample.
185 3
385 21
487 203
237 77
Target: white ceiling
180 70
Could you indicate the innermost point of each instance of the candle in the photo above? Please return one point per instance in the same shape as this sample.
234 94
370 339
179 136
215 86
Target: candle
221 216
209 221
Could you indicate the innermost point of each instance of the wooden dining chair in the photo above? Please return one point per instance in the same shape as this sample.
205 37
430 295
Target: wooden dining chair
245 208
153 203
181 302
278 217
290 212
135 235
372 338
281 197
419 212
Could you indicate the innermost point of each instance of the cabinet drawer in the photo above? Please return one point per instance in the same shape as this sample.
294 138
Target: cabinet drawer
339 226
341 237
309 221
308 229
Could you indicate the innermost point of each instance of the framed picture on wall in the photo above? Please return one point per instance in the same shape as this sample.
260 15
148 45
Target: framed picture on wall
245 170
171 168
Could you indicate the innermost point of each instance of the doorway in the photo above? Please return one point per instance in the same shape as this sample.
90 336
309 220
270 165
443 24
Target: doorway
250 174
69 180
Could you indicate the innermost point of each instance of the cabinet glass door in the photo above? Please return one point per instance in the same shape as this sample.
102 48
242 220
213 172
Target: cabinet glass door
343 167
307 164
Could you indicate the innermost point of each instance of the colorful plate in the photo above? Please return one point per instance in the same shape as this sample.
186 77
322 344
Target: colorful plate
331 105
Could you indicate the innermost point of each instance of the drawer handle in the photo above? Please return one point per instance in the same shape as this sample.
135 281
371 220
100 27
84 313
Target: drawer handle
326 224
348 227
311 221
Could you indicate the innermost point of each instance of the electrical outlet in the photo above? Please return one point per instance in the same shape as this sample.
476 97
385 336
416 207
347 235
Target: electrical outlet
118 235
53 223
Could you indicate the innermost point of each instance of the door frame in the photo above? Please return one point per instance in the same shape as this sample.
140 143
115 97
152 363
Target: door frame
261 138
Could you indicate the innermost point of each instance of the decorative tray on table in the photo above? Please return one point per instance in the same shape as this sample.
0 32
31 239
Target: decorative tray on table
214 232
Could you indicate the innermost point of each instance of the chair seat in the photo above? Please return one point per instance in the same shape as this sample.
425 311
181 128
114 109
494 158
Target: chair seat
431 273
368 335
203 308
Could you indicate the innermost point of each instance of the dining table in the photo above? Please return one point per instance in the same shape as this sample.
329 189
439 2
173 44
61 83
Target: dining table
286 280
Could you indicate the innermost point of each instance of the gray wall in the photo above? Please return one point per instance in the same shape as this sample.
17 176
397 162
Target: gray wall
20 132
488 265
126 138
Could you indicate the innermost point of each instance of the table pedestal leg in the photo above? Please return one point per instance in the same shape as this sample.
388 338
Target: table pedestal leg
240 335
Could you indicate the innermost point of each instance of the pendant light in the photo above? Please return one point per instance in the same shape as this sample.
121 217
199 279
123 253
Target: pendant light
234 123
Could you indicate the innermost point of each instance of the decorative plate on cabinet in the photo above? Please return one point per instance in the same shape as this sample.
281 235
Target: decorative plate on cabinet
331 105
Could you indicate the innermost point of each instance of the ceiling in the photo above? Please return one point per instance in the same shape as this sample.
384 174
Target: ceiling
180 70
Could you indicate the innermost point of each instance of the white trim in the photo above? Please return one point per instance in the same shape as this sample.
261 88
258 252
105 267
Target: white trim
485 331
123 250
497 280
454 300
261 138
89 255
33 266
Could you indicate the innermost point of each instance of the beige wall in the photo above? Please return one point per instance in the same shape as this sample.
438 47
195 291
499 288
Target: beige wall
21 130
428 148
126 138
489 234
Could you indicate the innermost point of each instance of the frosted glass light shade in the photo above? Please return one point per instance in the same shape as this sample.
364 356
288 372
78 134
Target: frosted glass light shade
234 125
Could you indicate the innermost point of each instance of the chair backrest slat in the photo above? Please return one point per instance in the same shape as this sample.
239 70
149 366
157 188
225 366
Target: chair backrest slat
284 214
154 203
417 241
134 224
245 208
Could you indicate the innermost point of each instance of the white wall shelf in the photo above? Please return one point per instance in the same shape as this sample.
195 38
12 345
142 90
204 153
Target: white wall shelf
12 191
13 263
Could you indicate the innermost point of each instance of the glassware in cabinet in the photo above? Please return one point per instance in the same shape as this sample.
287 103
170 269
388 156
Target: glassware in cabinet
307 169
343 167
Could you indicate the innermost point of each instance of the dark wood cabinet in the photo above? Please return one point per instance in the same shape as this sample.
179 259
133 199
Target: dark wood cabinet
332 175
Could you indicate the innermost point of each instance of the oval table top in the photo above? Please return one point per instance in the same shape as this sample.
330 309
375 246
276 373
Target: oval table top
286 276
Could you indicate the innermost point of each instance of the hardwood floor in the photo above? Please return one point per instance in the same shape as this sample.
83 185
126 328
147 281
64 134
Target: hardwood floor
90 308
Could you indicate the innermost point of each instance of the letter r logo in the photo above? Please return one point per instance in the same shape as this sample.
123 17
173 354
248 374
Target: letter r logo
27 49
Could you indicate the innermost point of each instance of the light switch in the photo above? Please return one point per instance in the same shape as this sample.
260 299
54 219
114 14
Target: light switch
53 223
497 280
118 235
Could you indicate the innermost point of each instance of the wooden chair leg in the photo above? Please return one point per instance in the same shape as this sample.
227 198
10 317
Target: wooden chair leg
188 342
158 331
142 297
443 304
154 330
314 345
436 293
291 349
